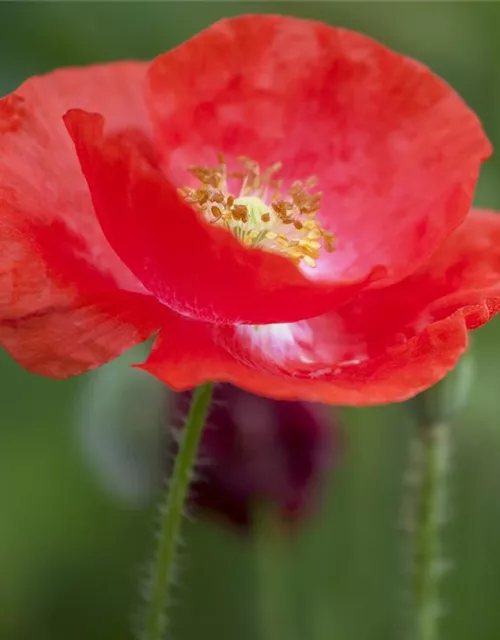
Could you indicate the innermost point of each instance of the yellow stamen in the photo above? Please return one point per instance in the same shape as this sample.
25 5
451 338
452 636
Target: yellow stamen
284 223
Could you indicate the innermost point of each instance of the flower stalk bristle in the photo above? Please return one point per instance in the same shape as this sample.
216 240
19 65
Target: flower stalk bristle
163 569
260 215
425 519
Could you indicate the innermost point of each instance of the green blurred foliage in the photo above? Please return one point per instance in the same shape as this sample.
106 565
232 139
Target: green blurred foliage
72 558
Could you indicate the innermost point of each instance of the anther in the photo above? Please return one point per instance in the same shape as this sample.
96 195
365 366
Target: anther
261 213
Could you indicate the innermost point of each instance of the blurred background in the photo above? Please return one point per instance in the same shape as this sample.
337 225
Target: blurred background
79 469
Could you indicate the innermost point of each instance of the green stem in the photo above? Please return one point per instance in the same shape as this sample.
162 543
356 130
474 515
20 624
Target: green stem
430 469
271 564
163 567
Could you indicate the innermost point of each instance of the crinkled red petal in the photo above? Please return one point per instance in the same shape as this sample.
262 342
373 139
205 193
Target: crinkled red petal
198 269
403 373
396 151
385 346
67 302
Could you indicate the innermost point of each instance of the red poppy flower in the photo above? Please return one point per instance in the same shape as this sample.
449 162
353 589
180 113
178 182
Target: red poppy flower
259 453
286 203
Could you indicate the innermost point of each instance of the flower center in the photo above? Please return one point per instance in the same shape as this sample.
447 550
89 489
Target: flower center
260 215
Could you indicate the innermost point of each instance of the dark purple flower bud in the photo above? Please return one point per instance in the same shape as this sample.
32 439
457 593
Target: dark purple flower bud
259 452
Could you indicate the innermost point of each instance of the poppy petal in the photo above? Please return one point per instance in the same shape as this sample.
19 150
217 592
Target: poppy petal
395 150
400 375
198 269
384 346
61 308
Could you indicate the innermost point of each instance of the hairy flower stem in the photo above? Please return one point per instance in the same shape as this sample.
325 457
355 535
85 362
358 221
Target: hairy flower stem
427 500
172 513
272 584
